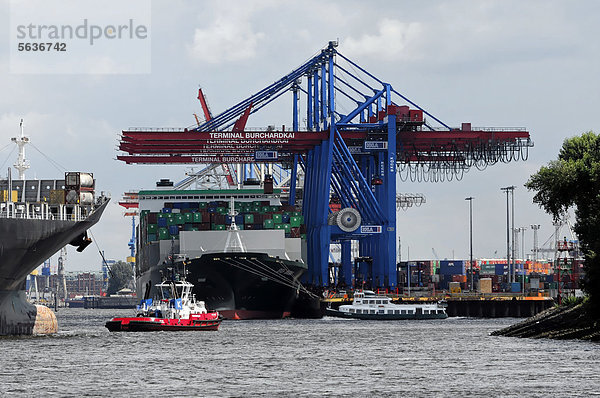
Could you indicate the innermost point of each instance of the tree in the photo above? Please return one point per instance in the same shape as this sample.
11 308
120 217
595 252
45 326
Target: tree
573 181
121 275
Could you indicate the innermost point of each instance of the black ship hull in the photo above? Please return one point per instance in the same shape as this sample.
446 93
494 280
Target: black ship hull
240 285
25 244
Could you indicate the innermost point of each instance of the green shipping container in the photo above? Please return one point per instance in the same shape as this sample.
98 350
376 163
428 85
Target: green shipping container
189 217
295 222
248 218
256 203
285 227
488 269
152 228
218 227
202 205
163 233
277 218
197 217
179 219
222 210
268 224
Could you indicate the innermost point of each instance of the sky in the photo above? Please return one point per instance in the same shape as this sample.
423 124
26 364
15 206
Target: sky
492 63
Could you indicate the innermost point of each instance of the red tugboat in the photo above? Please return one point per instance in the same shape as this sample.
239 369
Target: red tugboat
176 309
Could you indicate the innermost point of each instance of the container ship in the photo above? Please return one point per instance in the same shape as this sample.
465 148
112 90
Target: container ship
241 248
37 219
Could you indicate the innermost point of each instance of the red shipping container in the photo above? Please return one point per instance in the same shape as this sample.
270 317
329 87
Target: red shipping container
205 226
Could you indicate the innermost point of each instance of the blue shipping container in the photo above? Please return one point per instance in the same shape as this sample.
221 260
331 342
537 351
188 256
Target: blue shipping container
162 222
515 287
166 210
452 267
501 269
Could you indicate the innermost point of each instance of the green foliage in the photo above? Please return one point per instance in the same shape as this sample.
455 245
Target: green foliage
571 301
121 276
573 181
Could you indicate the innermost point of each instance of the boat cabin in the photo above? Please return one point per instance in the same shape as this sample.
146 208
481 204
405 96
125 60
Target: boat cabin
369 303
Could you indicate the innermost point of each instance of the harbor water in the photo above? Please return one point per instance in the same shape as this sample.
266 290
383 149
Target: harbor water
326 357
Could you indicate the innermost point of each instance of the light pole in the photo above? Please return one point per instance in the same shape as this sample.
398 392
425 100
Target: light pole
514 256
508 230
523 229
470 199
535 228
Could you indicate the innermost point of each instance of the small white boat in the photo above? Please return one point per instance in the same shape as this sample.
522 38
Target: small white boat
368 305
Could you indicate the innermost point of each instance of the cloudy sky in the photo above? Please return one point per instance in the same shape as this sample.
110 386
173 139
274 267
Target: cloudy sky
492 63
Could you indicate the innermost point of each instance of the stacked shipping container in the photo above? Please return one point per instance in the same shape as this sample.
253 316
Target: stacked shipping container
204 216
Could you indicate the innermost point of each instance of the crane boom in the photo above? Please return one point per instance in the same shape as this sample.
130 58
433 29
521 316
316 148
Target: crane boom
205 108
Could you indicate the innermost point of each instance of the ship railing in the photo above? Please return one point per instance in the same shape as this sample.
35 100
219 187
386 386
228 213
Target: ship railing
43 211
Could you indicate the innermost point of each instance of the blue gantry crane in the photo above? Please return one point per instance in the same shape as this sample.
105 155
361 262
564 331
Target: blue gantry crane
131 243
359 134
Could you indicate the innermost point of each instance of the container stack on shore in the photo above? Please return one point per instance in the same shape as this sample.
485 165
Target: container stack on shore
490 275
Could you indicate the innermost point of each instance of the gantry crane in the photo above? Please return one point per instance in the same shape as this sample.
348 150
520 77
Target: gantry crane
360 133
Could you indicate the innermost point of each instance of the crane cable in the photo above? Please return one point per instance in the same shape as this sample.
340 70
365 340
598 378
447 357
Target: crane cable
102 255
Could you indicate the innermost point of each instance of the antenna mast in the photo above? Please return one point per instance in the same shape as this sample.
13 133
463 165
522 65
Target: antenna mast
22 164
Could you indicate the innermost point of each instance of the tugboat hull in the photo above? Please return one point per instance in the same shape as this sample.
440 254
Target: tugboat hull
147 324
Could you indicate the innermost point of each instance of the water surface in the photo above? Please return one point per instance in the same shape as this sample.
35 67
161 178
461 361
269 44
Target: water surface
308 358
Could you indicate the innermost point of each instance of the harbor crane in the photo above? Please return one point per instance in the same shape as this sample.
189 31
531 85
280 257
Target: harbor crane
360 135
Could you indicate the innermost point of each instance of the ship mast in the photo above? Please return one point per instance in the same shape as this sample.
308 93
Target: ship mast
233 243
22 164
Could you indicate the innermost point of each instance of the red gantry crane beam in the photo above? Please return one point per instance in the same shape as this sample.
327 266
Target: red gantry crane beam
413 144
